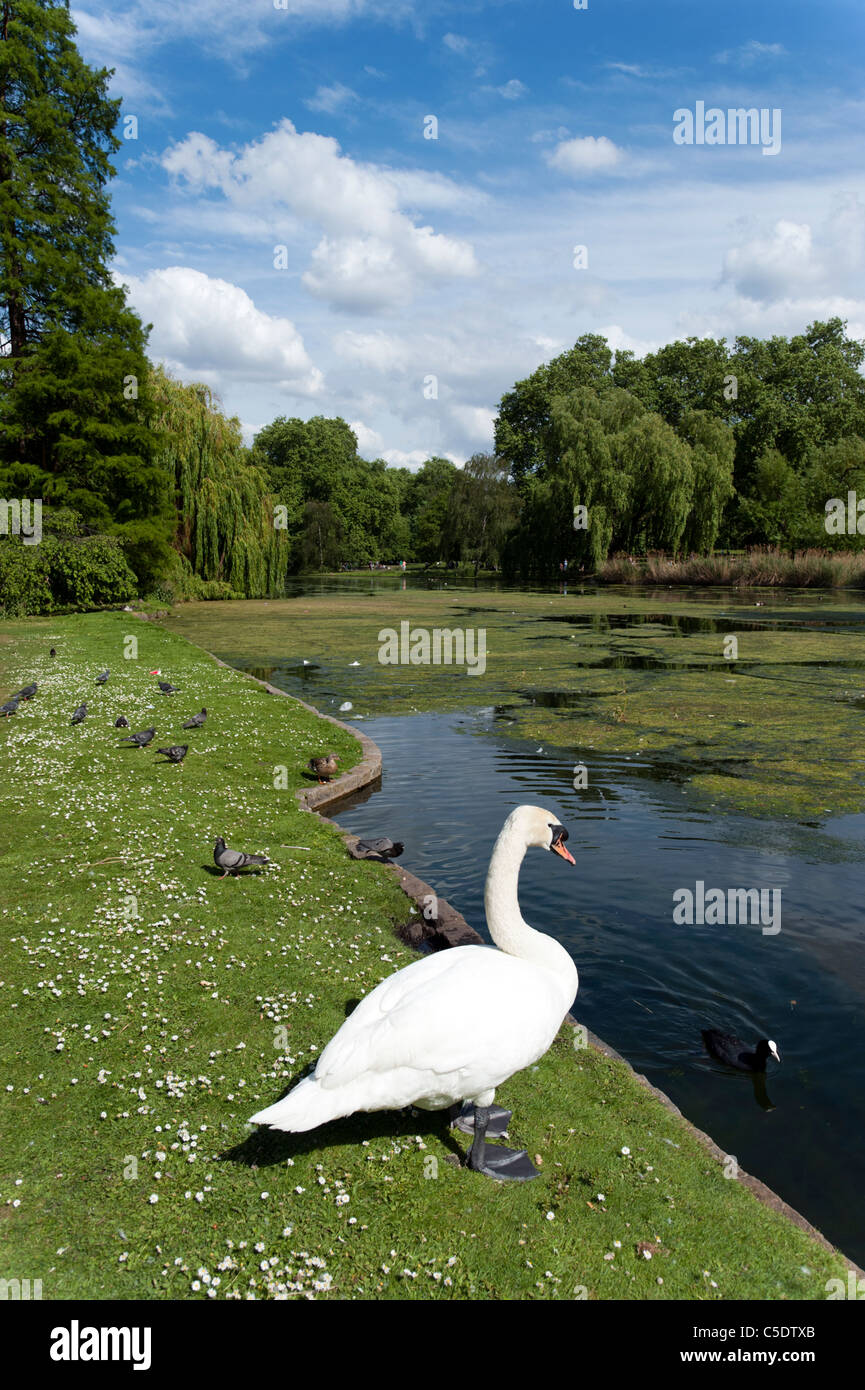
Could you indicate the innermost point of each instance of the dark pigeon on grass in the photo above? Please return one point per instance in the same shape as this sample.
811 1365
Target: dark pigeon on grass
176 753
381 849
10 707
141 740
196 721
27 693
167 688
233 859
122 722
100 680
80 715
53 651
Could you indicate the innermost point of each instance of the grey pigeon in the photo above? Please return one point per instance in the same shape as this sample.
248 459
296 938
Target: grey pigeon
167 688
233 859
176 753
382 849
196 721
141 740
53 651
27 693
80 715
10 707
100 680
122 722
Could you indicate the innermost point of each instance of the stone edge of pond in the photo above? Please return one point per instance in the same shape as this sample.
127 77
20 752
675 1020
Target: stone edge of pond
453 930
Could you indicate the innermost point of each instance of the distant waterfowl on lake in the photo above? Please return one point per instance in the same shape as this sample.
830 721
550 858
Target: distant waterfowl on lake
724 1047
324 767
233 859
454 1026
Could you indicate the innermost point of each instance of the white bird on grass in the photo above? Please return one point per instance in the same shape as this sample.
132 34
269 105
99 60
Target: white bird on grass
454 1026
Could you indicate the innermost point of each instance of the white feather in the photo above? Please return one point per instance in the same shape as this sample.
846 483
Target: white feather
455 1025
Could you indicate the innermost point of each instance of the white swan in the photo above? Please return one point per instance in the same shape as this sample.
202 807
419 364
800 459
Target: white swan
454 1026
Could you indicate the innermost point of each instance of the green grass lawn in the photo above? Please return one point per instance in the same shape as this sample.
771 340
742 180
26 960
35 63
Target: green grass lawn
150 1008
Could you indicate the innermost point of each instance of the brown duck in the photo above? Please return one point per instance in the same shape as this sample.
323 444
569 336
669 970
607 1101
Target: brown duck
324 768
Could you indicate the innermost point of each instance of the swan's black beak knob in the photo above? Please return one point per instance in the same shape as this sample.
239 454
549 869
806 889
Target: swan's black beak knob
557 844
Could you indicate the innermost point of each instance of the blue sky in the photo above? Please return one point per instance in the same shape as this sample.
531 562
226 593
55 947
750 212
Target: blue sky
297 243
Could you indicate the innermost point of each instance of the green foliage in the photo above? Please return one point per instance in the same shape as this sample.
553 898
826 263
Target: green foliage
340 508
226 528
76 572
481 511
743 445
73 373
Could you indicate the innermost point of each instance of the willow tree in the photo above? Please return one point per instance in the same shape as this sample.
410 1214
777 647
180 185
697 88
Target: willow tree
227 530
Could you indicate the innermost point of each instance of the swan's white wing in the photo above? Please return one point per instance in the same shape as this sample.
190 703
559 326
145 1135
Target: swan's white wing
453 1012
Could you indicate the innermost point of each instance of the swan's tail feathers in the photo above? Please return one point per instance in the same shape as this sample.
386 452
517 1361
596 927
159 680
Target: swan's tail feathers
306 1107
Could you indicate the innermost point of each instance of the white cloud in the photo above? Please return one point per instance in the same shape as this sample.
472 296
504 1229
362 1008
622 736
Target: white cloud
620 341
747 54
331 99
766 268
416 458
513 90
475 423
226 29
209 328
372 255
377 352
585 155
794 261
369 441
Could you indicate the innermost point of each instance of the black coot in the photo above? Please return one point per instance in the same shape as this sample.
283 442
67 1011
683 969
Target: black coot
724 1047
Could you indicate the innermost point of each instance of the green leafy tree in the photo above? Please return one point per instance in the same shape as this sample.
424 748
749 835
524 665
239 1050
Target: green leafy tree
482 510
73 374
226 528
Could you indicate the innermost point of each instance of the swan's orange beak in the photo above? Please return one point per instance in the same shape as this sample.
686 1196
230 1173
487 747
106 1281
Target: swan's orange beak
559 847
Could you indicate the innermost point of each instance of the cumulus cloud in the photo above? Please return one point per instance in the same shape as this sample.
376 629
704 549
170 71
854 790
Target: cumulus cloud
369 441
584 155
766 268
209 328
372 254
793 261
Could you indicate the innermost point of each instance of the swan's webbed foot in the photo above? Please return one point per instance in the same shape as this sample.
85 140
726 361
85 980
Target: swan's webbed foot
494 1160
462 1117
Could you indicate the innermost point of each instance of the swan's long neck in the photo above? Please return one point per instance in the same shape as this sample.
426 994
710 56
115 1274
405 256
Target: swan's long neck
507 927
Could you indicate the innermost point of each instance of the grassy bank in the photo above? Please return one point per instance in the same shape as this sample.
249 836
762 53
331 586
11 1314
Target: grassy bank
775 731
150 1008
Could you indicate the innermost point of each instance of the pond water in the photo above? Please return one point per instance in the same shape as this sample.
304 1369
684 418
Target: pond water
647 985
